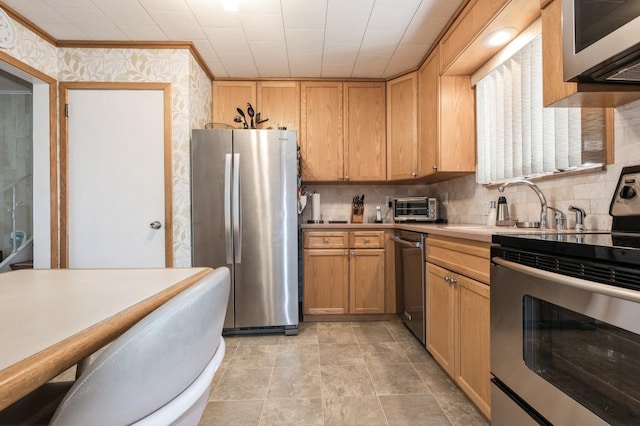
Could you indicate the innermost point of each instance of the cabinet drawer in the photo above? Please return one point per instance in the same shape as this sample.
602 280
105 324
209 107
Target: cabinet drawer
469 258
326 239
367 239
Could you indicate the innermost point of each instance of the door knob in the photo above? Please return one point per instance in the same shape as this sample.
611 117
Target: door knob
155 225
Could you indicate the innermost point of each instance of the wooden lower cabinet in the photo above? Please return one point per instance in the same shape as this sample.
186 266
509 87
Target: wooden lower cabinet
472 372
458 331
440 304
326 281
346 280
366 281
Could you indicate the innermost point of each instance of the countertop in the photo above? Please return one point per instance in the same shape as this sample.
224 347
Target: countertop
51 319
473 232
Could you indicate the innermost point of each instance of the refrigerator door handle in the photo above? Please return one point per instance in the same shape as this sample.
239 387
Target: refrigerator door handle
227 208
237 209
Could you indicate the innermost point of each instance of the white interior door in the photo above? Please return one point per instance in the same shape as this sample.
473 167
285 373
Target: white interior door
115 178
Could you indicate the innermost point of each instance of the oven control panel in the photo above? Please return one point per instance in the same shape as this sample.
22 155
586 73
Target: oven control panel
626 199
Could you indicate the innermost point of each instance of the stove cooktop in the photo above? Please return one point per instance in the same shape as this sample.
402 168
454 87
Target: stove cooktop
607 258
621 246
601 247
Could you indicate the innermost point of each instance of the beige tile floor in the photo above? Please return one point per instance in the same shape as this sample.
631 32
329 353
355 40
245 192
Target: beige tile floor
355 373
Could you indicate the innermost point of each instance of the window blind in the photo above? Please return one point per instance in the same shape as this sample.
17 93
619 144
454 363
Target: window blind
516 136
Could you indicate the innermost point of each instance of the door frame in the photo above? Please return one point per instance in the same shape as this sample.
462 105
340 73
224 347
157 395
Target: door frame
39 78
64 158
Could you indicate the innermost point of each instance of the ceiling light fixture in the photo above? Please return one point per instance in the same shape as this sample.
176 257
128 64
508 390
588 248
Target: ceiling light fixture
499 37
230 5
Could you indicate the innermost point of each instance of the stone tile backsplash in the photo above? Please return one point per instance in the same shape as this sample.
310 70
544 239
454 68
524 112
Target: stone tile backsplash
463 199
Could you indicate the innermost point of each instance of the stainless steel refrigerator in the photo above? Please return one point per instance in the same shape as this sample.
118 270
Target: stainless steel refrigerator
244 216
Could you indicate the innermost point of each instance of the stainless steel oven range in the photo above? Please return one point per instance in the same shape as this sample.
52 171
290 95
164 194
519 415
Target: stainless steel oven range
565 322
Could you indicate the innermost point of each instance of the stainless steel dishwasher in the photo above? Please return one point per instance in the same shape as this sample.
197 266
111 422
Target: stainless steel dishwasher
410 281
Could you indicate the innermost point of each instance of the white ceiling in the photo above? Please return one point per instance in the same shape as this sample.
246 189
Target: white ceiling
266 38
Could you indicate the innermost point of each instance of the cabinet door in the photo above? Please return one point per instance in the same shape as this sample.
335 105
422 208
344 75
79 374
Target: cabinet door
428 124
279 101
472 342
457 132
447 121
440 295
321 135
402 127
230 95
366 281
326 281
365 152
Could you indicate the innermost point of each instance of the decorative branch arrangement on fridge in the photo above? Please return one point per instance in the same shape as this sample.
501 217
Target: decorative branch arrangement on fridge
242 118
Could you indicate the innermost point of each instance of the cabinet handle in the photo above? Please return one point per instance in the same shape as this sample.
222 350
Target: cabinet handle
326 241
366 241
352 254
414 174
346 178
435 167
346 253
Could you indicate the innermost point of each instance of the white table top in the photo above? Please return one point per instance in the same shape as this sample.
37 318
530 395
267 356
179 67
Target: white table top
40 309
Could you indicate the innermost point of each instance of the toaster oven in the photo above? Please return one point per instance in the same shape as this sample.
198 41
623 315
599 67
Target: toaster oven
415 209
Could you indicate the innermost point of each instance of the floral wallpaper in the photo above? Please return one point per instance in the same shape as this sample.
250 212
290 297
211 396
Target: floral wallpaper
200 102
34 51
190 100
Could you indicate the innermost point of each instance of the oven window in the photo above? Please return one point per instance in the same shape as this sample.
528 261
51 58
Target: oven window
597 19
412 208
595 363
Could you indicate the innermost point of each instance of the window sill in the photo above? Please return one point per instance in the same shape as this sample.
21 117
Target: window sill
553 175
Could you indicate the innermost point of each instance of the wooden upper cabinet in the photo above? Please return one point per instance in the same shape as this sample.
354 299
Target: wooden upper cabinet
230 95
402 127
279 101
365 150
457 148
321 135
555 91
429 114
446 125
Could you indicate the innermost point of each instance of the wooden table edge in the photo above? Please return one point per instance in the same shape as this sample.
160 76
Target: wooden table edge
29 374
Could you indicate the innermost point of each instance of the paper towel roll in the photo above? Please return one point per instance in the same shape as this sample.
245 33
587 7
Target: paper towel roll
315 207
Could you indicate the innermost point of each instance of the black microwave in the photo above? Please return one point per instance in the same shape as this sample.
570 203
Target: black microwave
601 41
415 209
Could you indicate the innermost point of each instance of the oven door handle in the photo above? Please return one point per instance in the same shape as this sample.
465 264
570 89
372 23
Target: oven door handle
607 290
400 240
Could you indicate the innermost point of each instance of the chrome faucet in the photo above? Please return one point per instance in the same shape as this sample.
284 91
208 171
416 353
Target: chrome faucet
580 214
561 218
543 200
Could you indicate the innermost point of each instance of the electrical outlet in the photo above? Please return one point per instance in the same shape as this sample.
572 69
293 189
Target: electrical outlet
389 201
486 208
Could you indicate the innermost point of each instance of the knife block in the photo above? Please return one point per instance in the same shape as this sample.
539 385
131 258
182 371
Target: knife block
356 214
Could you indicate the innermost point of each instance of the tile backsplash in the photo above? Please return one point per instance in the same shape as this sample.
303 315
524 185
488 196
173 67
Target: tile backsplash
462 199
